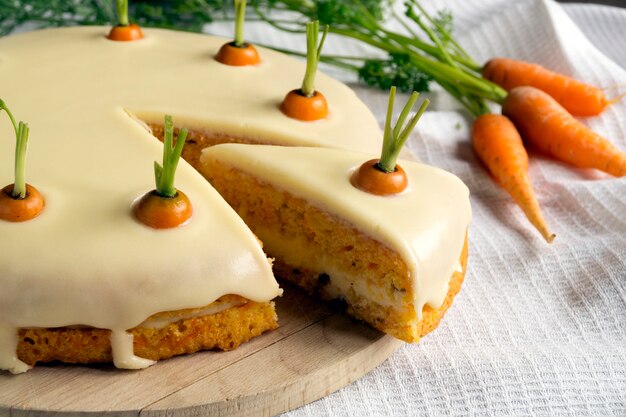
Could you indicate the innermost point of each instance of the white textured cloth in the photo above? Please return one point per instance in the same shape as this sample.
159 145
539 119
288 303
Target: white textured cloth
537 329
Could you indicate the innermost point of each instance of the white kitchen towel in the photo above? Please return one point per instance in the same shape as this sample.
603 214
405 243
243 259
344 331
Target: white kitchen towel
537 329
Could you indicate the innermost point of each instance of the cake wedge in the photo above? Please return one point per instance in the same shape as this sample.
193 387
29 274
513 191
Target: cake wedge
397 261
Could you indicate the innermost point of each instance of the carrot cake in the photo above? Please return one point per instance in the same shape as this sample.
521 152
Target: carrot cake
397 261
84 281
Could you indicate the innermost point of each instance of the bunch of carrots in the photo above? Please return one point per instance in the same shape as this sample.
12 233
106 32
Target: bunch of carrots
538 106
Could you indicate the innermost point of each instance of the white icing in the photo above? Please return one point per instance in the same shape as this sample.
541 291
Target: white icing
122 349
426 223
8 355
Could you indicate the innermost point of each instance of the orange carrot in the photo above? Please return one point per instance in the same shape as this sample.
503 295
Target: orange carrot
549 127
238 55
160 212
384 176
124 30
370 178
307 104
19 201
498 144
298 105
165 207
16 209
124 33
238 52
578 98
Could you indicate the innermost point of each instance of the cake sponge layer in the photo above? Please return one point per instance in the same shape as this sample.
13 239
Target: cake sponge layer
224 330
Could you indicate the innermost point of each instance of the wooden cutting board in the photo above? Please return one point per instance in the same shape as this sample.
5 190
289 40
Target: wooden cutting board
316 351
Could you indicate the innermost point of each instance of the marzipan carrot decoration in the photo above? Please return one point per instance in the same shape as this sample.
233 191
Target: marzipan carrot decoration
306 103
165 207
576 97
383 176
499 145
124 30
238 52
549 127
19 201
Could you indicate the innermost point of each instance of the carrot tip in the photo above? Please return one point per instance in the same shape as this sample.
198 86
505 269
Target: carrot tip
616 99
550 237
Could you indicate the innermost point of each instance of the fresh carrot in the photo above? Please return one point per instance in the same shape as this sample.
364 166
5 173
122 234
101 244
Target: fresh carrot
124 30
499 145
165 207
576 97
384 176
238 52
307 104
19 201
550 128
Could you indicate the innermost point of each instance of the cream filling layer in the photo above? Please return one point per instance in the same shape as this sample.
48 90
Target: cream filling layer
298 253
426 224
159 322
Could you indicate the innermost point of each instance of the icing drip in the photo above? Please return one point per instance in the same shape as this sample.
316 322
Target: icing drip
8 355
123 354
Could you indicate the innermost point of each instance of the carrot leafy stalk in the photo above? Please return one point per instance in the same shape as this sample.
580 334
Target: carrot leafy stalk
238 52
19 201
166 207
384 176
542 121
499 145
124 30
306 103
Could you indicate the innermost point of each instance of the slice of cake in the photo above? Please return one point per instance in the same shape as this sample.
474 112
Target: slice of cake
397 261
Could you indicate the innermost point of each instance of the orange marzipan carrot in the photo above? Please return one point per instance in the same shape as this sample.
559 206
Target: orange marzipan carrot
238 56
298 106
578 98
550 128
20 209
125 33
498 144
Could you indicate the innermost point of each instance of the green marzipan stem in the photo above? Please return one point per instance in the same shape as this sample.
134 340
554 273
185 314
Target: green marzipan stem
240 15
164 174
19 186
122 12
21 140
395 138
313 54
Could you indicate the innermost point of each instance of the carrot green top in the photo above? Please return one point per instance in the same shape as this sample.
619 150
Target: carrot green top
21 135
240 15
164 174
395 138
313 54
122 12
